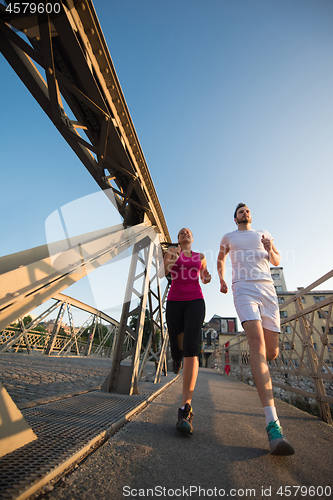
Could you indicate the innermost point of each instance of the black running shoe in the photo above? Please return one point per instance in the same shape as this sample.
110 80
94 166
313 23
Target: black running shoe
176 366
185 418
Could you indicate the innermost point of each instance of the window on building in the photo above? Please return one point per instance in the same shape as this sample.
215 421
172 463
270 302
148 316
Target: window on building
288 329
287 346
318 298
275 276
321 315
278 288
281 300
303 300
283 314
231 325
224 325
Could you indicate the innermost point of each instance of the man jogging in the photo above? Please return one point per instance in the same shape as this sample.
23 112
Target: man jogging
256 303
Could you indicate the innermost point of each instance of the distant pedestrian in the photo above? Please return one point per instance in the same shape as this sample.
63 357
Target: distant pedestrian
256 304
185 313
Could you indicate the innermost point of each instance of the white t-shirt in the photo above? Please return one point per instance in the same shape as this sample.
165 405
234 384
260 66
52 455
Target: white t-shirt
250 261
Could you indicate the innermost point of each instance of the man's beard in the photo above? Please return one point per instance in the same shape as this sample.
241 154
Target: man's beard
241 220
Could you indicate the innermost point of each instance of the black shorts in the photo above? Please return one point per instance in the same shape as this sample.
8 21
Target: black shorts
185 319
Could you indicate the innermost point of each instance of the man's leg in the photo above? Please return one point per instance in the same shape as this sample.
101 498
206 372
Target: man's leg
190 375
264 345
257 343
271 343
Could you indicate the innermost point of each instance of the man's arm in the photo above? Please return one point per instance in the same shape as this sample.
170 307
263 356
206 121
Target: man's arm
221 267
274 256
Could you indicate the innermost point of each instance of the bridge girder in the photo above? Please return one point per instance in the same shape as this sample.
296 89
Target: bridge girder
31 277
71 49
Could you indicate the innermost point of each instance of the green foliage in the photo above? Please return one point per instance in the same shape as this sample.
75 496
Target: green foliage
146 328
40 328
27 320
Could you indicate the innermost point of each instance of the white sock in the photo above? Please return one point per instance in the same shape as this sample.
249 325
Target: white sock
183 407
271 415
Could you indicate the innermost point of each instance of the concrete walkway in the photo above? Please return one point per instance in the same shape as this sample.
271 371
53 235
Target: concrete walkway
32 379
227 456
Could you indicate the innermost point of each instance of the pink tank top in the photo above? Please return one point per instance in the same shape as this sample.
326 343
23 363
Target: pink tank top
185 278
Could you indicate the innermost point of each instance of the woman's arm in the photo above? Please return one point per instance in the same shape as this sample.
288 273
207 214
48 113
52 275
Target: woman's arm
170 258
204 274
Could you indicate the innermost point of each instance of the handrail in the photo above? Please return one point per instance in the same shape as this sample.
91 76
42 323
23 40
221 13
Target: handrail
304 365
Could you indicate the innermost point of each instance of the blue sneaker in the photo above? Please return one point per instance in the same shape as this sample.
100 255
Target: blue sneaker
185 418
277 442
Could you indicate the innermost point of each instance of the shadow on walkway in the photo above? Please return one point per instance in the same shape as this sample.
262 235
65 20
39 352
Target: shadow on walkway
227 455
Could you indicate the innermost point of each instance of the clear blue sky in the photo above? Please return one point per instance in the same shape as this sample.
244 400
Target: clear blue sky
232 100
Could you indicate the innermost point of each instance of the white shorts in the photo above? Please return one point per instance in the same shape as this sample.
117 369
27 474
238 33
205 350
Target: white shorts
257 301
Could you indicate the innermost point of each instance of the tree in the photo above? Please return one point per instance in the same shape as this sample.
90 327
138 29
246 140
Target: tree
146 328
27 320
40 328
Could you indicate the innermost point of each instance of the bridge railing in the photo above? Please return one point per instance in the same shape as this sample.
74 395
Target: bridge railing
304 366
37 341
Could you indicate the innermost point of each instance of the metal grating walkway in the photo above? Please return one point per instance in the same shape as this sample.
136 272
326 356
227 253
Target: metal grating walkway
66 431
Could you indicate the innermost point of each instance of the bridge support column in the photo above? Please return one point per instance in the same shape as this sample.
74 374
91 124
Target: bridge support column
92 331
124 377
157 324
56 329
14 430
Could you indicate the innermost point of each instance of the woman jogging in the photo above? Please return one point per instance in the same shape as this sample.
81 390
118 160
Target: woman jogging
185 313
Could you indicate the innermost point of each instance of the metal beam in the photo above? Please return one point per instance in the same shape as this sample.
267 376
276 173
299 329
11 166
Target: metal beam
29 278
71 49
125 375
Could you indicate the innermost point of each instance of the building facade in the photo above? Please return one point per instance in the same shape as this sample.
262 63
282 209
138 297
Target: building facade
317 324
217 331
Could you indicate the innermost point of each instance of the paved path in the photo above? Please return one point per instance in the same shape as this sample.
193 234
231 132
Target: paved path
227 456
31 379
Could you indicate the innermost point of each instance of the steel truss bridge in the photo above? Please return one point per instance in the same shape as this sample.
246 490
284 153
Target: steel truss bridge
61 57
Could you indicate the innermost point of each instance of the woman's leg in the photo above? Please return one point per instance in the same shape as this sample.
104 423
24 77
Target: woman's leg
190 374
193 320
175 323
